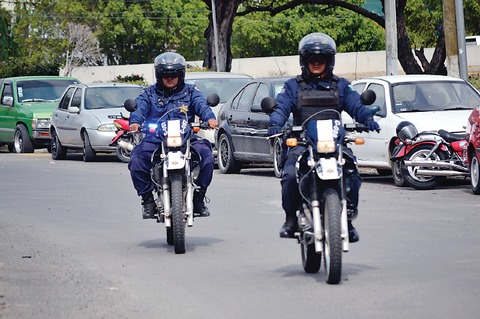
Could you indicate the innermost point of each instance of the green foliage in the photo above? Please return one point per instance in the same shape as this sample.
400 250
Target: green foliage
133 78
20 66
475 80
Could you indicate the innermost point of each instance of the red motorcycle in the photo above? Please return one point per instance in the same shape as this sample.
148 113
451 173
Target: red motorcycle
125 140
423 160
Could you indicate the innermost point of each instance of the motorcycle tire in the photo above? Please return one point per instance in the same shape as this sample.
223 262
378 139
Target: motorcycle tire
123 154
332 239
278 157
423 182
397 174
178 219
475 174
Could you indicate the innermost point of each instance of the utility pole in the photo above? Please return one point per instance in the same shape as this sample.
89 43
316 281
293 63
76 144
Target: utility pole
391 49
462 50
451 45
215 35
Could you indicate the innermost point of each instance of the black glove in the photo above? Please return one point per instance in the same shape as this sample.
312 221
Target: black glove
273 130
372 125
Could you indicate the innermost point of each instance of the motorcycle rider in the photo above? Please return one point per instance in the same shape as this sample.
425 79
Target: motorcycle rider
317 60
169 91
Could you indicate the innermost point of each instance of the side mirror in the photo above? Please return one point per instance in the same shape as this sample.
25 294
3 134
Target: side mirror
213 99
73 109
268 105
130 105
8 100
368 97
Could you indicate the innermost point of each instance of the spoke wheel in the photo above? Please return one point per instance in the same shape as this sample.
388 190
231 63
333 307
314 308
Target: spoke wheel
332 236
278 157
178 219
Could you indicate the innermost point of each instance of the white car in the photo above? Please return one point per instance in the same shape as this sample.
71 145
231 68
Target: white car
225 84
430 102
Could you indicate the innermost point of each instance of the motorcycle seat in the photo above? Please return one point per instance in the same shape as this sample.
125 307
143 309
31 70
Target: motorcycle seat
451 137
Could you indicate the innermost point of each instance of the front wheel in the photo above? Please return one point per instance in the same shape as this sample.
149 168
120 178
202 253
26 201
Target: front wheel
88 152
277 157
122 153
423 181
178 219
21 140
398 178
332 212
475 174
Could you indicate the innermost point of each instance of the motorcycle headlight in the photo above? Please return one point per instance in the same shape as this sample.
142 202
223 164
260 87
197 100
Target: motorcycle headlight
326 146
40 124
174 141
106 127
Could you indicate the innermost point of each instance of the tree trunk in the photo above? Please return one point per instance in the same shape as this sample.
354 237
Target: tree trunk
225 14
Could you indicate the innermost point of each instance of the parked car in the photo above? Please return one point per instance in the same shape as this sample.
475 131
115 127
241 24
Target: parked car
225 84
473 151
243 126
83 119
430 102
26 103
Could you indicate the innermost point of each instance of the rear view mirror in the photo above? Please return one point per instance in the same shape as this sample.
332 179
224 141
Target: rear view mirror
130 105
268 104
213 99
368 97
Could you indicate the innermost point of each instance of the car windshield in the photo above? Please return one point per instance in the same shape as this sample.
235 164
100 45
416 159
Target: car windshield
433 96
42 90
109 97
224 87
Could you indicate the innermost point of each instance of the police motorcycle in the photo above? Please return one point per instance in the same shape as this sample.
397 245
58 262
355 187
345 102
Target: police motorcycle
174 171
322 217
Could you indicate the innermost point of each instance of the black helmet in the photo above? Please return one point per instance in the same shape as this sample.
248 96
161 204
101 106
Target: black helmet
317 44
170 63
406 131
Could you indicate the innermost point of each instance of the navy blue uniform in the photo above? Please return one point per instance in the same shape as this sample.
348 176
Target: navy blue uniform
350 102
152 104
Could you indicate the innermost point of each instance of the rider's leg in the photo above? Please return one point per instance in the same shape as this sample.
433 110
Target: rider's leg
353 181
207 161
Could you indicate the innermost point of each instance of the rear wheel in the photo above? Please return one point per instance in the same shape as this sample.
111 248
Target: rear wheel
310 259
475 174
21 140
277 157
332 236
421 181
59 152
178 220
123 154
226 162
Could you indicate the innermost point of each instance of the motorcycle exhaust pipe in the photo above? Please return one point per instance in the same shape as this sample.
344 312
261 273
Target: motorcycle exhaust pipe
437 164
126 145
428 172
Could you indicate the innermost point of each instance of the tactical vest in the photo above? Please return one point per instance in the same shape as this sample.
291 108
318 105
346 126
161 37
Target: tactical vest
311 101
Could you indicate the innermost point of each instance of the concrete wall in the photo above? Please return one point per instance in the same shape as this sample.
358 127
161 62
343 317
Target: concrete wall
352 65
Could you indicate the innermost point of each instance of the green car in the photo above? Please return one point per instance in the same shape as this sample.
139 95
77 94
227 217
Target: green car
26 104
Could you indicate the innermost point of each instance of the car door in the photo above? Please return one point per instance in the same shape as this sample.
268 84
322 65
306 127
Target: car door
237 118
7 113
375 148
59 116
73 120
256 142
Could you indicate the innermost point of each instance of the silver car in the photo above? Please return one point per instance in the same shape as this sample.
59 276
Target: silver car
83 119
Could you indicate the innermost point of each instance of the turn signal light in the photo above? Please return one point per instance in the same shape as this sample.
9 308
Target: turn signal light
196 129
359 141
291 142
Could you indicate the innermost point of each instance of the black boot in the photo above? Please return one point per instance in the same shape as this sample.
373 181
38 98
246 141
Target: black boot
199 207
289 227
352 233
149 206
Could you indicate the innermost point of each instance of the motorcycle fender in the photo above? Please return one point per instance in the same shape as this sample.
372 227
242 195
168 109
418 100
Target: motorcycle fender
116 138
328 169
175 160
399 152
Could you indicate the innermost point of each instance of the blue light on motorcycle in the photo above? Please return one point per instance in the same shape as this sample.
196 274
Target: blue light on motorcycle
152 127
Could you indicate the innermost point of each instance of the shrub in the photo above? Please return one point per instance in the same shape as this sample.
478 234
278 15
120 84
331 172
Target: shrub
134 78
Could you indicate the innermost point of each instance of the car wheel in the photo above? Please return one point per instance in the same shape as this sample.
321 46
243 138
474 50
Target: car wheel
278 157
21 140
88 152
58 151
475 174
226 162
398 178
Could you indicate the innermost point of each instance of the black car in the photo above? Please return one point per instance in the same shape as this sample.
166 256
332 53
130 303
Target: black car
241 137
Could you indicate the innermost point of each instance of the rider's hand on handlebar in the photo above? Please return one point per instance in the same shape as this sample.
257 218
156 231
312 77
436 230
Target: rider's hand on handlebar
212 123
273 130
372 125
134 127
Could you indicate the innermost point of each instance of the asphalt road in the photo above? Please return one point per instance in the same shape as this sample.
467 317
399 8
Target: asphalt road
73 245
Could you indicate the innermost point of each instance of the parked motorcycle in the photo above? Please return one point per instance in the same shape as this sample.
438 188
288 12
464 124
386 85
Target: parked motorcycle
125 140
174 172
322 217
424 160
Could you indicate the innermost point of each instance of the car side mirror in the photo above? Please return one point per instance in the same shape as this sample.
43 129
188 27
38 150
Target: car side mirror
213 99
73 109
368 97
268 104
130 105
8 100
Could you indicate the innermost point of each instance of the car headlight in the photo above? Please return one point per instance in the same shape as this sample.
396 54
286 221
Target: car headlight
107 128
40 124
